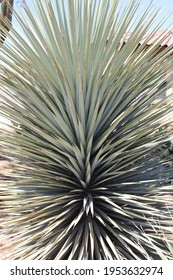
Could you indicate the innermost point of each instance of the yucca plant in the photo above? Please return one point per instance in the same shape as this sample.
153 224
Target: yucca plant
86 182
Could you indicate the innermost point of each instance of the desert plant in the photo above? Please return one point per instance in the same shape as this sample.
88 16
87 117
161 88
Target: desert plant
85 185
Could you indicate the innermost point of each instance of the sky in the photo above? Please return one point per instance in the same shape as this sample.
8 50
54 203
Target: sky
165 5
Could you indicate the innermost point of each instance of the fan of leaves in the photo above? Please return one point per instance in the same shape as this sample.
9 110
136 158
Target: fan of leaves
86 184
